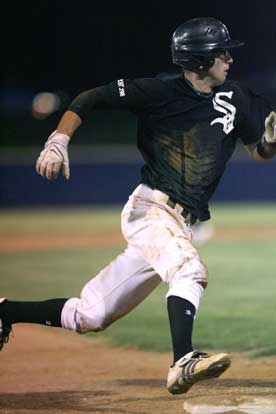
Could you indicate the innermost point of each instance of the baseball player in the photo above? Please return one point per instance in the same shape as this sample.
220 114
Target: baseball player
188 127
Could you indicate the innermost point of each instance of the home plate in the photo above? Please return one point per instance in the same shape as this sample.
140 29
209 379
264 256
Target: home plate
226 404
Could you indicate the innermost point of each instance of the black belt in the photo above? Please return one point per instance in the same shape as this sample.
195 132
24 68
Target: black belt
189 217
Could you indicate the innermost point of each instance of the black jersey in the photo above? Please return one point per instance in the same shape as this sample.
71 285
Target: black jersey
186 137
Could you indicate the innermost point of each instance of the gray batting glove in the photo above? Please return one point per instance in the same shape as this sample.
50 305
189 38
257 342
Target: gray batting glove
54 157
270 128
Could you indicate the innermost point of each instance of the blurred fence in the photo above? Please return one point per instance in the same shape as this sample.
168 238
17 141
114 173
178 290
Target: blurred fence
104 174
111 182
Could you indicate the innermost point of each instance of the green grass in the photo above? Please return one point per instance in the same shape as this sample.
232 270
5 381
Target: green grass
238 309
236 313
242 214
63 219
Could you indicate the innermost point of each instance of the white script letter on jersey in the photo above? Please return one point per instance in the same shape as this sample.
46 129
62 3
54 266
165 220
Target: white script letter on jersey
226 108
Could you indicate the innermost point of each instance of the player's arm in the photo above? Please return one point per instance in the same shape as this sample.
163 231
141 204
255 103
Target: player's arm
121 94
69 123
55 154
265 149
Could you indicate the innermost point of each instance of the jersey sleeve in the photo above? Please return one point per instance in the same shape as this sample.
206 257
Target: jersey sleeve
255 109
135 95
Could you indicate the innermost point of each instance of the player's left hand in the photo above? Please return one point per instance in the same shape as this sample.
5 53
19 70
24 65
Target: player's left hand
270 128
54 157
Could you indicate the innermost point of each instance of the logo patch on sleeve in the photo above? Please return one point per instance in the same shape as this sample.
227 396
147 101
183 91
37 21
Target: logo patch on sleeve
121 86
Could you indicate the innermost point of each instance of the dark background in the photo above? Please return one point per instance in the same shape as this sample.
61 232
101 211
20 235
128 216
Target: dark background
68 46
73 45
65 47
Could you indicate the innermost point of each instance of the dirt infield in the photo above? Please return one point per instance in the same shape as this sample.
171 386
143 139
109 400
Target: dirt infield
34 241
48 370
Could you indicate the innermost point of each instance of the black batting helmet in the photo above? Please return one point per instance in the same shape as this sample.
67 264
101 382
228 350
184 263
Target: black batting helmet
195 41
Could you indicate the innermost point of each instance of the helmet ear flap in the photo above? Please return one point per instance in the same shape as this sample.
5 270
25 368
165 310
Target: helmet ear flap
203 63
206 63
193 62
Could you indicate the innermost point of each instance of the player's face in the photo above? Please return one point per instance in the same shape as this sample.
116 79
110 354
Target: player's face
219 71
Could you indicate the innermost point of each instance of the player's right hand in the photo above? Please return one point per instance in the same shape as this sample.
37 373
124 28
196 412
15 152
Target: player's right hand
54 157
270 128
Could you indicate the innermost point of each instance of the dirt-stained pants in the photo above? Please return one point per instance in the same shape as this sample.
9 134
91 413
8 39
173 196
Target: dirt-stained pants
159 248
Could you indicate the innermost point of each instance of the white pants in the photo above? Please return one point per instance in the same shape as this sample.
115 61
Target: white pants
159 248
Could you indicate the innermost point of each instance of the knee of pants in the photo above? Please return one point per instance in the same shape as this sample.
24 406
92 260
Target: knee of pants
78 316
189 281
91 322
192 270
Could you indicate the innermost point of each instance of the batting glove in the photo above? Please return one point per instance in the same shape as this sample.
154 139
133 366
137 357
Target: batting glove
270 128
54 157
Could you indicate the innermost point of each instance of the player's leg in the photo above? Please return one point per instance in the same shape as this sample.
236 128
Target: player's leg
114 292
164 241
117 289
47 312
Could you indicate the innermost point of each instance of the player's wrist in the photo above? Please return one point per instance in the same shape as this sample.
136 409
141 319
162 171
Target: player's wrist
266 149
270 128
58 138
269 138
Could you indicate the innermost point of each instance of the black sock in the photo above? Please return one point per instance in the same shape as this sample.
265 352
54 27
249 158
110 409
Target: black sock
46 312
181 315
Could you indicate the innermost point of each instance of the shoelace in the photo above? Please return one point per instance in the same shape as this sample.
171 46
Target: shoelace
199 354
195 356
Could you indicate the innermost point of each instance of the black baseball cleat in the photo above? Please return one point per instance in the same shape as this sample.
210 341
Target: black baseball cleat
5 330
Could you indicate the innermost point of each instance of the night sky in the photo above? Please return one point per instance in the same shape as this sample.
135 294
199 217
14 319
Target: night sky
74 46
